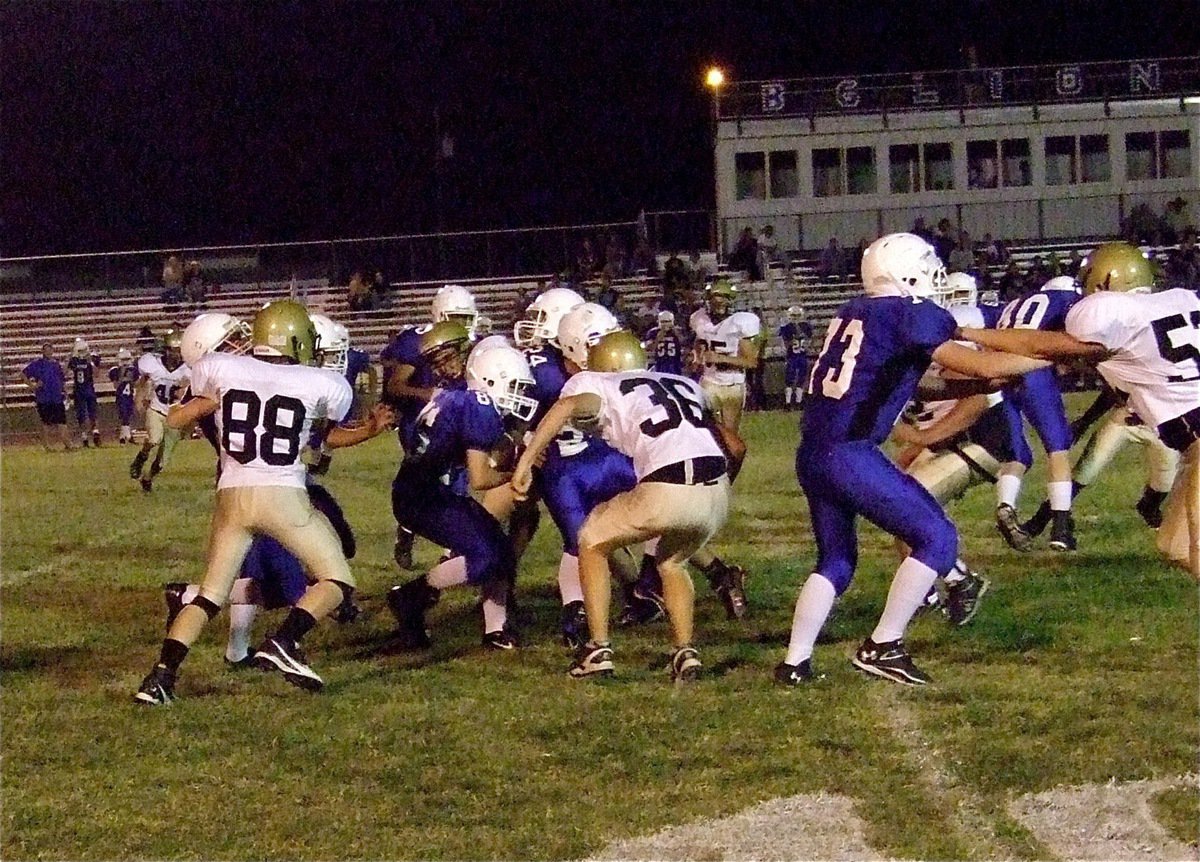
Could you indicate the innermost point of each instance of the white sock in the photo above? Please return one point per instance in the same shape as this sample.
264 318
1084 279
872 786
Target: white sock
909 587
241 620
958 573
812 608
189 593
126 433
568 579
451 573
239 593
1060 496
1008 487
495 615
787 395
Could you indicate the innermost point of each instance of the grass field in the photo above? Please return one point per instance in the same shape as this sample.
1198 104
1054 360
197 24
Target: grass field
1080 670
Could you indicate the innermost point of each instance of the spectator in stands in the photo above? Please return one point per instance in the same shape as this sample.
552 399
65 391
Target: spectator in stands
646 315
1072 263
194 287
1143 227
1012 283
831 264
585 261
358 294
676 274
1175 221
615 257
380 292
643 260
698 274
608 296
944 239
982 273
1037 274
962 257
45 376
919 228
1183 263
172 280
768 248
744 256
856 255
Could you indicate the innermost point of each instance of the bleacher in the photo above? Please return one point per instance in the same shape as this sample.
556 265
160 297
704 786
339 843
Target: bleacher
109 320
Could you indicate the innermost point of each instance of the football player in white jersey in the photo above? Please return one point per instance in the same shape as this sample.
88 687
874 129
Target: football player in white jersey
664 424
725 348
1146 345
163 379
265 406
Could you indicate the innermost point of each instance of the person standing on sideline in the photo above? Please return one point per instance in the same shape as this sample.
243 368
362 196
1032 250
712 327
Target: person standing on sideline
82 366
46 378
124 377
795 334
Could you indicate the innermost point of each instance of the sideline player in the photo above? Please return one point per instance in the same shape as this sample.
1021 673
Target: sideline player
82 366
124 377
163 379
45 377
265 406
796 335
664 344
1146 345
663 423
876 349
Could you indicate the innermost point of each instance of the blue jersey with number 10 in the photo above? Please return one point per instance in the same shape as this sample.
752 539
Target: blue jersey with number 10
875 351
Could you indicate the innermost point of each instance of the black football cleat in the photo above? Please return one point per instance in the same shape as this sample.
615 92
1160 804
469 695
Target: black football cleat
287 658
889 661
158 688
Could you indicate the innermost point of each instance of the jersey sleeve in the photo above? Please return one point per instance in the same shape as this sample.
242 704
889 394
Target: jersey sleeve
1100 319
202 383
338 400
927 326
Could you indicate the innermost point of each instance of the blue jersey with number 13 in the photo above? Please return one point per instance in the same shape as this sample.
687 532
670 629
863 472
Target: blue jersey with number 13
875 351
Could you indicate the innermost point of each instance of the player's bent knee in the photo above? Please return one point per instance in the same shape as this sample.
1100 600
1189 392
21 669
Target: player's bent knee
936 546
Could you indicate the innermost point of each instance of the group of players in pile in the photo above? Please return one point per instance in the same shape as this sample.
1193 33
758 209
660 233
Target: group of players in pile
632 461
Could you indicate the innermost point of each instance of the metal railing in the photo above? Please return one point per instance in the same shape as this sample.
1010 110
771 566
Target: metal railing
443 256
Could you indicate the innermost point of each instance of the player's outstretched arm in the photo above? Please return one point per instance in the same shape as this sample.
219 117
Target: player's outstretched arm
583 405
380 419
1035 343
181 416
985 364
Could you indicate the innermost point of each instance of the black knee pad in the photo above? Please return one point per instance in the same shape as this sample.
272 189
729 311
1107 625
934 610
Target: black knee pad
210 608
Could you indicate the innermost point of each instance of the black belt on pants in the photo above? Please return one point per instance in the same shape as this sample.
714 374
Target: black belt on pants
693 471
1182 431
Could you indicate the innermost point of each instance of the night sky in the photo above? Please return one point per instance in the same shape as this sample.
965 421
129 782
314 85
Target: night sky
137 125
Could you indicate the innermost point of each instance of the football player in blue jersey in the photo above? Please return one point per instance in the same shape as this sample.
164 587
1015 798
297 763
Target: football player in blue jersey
1037 397
665 346
334 351
124 377
876 349
451 453
580 471
795 334
81 368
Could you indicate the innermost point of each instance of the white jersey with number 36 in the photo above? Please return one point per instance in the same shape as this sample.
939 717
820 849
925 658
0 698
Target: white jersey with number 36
656 419
266 412
1155 339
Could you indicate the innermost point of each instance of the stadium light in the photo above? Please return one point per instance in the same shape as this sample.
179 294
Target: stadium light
714 79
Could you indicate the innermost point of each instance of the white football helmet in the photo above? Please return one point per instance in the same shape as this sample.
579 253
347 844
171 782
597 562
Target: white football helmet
960 290
795 313
990 297
666 319
543 316
124 357
1062 282
333 343
503 373
214 331
581 327
454 302
80 349
902 264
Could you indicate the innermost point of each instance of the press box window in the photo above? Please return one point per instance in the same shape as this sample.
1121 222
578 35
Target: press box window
827 172
1175 153
860 171
1014 162
1094 164
939 167
1060 161
751 175
905 168
981 165
785 181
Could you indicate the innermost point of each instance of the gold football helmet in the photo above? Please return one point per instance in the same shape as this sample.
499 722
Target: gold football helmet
283 328
1116 266
617 351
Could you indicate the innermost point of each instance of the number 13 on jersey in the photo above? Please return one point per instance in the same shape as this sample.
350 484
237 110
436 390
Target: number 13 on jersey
836 372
